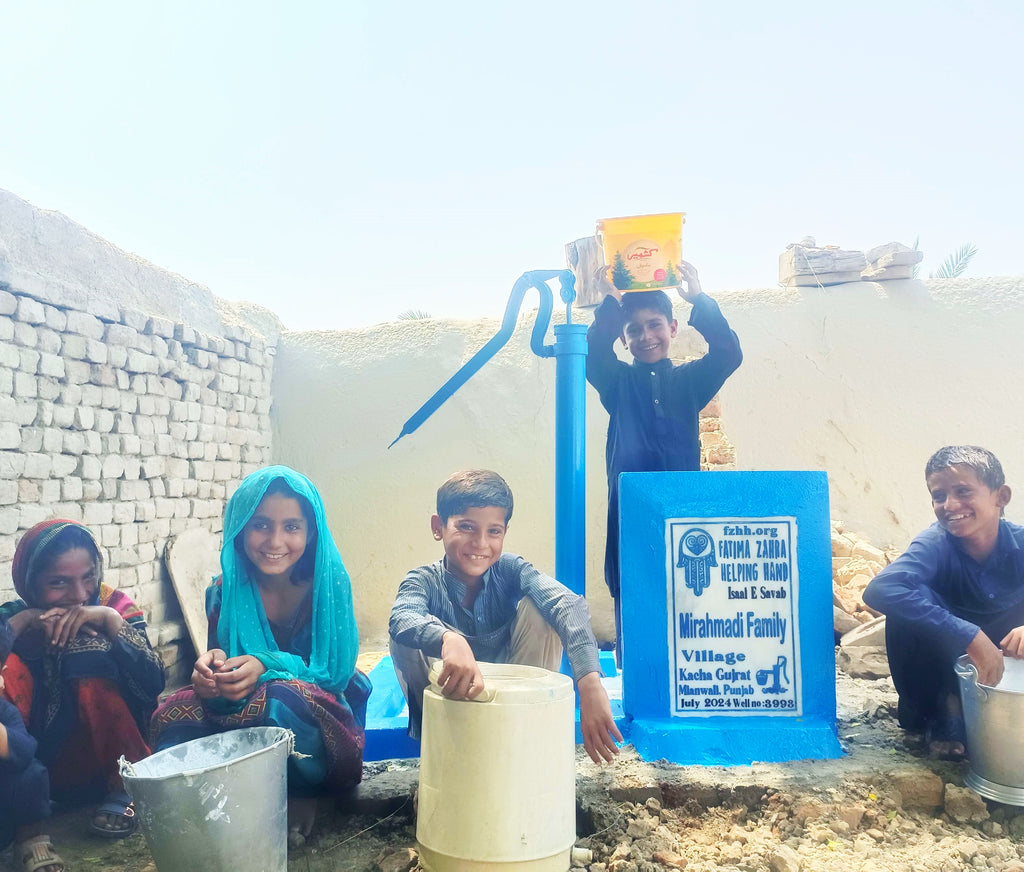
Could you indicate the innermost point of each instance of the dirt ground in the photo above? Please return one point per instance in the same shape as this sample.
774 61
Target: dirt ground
881 807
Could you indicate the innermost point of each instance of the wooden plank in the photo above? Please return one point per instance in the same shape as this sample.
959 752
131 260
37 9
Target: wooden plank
193 560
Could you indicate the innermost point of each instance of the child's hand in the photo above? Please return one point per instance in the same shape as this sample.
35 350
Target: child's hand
237 677
604 284
1013 643
460 676
987 659
596 722
61 625
207 664
26 621
689 275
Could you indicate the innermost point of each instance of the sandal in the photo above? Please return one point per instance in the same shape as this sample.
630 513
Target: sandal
118 804
37 853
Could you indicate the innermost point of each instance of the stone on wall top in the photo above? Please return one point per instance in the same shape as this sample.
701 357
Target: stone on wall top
894 260
804 264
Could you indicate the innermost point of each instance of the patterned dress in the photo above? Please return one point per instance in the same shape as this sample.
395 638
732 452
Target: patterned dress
87 703
328 728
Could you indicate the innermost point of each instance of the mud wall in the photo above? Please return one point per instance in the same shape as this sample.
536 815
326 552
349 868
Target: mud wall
862 380
866 380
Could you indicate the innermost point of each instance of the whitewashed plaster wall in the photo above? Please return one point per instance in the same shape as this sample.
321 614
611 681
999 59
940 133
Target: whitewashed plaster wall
866 380
342 397
862 380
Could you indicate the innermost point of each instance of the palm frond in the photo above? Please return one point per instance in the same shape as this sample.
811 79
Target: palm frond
414 315
956 263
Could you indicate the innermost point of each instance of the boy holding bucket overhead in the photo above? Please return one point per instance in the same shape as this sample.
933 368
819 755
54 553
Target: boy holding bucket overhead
957 589
477 603
653 405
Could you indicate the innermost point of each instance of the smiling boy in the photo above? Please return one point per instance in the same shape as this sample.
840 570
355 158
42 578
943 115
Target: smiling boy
480 604
958 588
653 405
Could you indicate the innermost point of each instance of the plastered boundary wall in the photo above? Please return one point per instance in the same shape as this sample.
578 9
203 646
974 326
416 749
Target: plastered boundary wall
132 421
863 380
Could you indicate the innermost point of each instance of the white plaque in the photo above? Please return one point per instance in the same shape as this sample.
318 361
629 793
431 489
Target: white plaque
733 596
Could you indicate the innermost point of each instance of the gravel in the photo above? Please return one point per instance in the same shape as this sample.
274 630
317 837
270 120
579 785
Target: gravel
882 807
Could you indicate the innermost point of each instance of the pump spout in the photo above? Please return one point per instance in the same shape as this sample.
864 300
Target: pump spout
533 279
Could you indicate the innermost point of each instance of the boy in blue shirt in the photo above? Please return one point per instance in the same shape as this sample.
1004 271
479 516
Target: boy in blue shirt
958 588
653 405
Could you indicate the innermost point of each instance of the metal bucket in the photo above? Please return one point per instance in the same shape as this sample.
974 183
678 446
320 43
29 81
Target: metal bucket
995 743
219 804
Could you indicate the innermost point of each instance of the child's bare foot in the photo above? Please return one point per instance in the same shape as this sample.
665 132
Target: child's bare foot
301 817
947 750
944 736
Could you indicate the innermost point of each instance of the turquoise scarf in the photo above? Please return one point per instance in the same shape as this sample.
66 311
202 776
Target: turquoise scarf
243 627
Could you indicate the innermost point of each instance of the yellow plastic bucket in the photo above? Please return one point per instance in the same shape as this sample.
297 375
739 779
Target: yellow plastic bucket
643 250
498 775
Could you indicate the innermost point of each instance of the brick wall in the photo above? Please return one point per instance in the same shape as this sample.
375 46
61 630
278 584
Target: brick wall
136 426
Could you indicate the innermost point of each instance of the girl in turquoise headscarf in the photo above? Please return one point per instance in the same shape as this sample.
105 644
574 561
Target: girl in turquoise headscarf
282 641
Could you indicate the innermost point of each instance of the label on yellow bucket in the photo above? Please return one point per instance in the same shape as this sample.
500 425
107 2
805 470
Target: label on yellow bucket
643 250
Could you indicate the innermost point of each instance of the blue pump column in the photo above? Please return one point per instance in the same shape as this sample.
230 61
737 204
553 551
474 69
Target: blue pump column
570 455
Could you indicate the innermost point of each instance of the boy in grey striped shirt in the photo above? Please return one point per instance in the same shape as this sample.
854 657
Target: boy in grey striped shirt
477 603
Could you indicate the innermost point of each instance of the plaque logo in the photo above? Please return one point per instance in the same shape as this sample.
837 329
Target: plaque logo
696 557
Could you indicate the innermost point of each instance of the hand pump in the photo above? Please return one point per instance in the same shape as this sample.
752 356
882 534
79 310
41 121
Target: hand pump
570 353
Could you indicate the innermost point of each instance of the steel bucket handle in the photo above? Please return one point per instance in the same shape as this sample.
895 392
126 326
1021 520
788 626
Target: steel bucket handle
969 672
488 694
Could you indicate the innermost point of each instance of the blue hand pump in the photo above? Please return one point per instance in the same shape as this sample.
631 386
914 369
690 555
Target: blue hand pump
570 353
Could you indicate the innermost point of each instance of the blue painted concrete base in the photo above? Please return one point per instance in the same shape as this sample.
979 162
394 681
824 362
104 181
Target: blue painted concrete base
687 538
724 742
387 715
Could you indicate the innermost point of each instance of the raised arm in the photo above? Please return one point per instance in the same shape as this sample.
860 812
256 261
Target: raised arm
602 364
723 357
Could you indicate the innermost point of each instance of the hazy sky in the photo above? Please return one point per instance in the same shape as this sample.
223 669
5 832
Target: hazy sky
340 162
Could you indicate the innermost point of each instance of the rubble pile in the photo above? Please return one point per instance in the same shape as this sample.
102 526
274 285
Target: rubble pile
909 821
859 629
855 561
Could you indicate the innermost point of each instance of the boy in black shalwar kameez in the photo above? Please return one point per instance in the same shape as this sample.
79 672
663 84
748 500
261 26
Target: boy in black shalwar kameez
653 404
